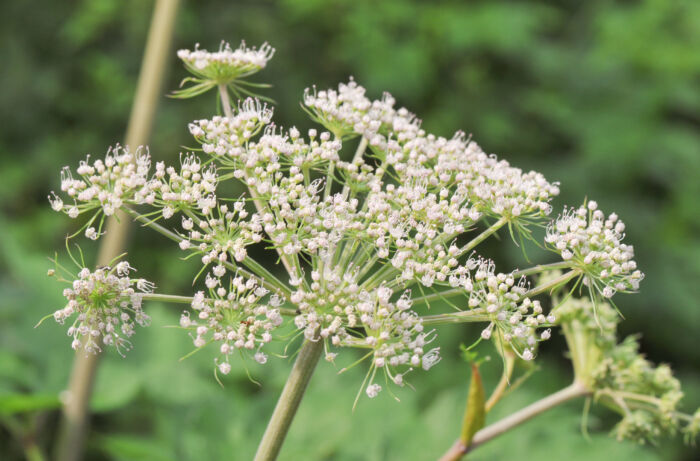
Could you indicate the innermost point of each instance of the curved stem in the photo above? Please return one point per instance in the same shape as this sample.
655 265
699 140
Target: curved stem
288 403
503 382
458 449
570 392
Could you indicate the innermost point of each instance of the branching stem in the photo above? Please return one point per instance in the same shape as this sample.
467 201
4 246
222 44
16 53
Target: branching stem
458 449
226 103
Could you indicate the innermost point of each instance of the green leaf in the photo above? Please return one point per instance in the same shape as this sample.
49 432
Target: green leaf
117 385
475 413
128 447
20 403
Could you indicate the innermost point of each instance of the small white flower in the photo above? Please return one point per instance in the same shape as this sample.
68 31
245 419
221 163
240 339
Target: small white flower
373 390
225 368
91 233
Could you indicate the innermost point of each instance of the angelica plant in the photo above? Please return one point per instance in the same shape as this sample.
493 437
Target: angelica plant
375 223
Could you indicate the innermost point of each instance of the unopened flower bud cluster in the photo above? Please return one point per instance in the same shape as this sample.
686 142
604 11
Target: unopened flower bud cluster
625 370
647 396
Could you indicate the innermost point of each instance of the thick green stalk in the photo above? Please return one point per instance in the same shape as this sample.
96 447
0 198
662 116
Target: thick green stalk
288 403
75 408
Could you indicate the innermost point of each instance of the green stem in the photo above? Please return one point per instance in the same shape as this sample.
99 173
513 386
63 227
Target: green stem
458 449
562 279
481 237
570 392
259 273
475 315
358 155
535 291
177 299
538 269
289 400
225 101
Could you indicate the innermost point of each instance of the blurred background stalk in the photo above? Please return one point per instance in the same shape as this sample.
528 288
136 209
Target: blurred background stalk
76 403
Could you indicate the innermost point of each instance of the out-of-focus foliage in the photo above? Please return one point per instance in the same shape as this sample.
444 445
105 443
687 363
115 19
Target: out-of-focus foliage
603 96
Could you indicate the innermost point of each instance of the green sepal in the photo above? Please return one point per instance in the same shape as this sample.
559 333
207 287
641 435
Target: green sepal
475 412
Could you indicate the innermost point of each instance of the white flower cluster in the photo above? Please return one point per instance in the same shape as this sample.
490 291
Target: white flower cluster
397 336
224 136
593 243
107 303
332 308
226 64
107 184
341 112
503 299
193 187
235 317
353 233
222 235
456 165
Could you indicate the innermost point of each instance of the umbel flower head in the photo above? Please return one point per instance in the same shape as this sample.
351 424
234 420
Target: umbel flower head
227 64
235 317
593 244
227 67
104 306
373 219
104 185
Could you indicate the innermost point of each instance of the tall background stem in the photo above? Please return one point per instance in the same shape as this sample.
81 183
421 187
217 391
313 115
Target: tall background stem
74 419
289 400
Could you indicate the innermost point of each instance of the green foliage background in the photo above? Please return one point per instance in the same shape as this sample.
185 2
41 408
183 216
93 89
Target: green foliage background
601 95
